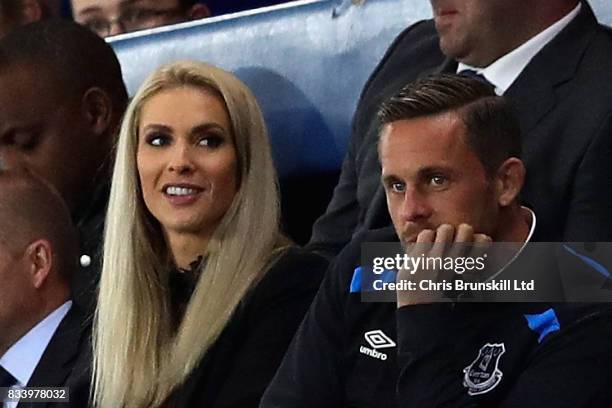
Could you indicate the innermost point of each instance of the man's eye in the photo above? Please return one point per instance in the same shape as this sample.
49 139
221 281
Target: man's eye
135 15
24 140
97 25
437 181
398 187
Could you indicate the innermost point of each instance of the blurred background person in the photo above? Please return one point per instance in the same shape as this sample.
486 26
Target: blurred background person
61 100
14 13
200 293
42 333
112 17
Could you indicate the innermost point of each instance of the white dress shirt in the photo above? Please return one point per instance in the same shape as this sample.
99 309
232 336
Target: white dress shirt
22 358
504 71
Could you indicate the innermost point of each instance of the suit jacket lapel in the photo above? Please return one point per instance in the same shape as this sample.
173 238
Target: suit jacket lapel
62 351
449 66
534 93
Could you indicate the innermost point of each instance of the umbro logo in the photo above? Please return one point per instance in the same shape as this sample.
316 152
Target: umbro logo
377 340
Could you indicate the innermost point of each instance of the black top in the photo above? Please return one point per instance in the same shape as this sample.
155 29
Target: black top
349 353
89 221
238 367
182 283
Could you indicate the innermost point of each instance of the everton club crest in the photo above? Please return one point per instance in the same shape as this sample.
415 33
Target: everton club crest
483 374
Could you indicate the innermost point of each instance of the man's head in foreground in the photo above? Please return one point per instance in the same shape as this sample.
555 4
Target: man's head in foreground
37 253
478 32
449 149
112 17
61 100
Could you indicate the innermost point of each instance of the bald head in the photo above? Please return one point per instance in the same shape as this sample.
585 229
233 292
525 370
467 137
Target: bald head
32 210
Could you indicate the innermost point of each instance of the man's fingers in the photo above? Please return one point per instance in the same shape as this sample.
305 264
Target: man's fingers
465 233
483 240
444 238
426 236
423 243
464 238
482 243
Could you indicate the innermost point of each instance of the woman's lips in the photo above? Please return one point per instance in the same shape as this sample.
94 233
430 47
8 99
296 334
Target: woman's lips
182 194
181 200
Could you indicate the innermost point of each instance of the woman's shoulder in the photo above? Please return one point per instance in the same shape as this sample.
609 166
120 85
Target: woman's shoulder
298 259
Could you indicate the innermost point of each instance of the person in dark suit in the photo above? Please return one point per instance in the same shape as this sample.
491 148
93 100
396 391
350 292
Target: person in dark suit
200 292
43 334
61 100
552 61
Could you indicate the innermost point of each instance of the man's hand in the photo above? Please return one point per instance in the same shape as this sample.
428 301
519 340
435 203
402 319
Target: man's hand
441 247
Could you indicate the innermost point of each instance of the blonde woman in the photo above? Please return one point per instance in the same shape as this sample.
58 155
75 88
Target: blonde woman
200 292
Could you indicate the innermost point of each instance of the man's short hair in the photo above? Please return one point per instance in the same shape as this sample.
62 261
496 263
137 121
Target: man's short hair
77 58
493 132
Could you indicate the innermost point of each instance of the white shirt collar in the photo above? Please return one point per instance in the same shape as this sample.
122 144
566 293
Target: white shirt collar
533 221
22 358
504 71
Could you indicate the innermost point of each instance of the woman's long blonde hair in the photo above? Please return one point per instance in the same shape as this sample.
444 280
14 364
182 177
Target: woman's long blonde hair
139 358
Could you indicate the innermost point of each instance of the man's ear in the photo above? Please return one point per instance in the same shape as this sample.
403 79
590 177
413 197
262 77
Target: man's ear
98 110
39 256
197 11
509 181
31 11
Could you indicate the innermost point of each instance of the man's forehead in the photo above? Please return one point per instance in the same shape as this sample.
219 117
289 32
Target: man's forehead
433 132
424 145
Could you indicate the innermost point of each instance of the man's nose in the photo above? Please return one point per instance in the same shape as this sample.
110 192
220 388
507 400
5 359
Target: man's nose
415 206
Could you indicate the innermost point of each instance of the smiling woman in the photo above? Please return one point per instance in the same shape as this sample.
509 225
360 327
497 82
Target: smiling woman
187 164
200 291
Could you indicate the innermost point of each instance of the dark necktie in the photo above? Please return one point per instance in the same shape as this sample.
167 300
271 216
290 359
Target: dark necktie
470 73
6 379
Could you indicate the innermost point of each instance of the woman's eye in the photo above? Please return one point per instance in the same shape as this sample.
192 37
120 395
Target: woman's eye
157 140
210 141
